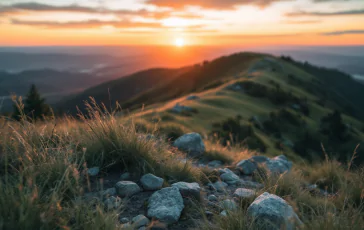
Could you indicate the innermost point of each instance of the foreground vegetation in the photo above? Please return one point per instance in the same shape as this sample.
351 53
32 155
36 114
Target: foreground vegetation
44 173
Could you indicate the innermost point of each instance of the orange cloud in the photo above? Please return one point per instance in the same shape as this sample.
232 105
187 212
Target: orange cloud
214 4
323 14
33 7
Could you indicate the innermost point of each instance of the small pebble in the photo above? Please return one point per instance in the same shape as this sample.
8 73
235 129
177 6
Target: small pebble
124 220
212 198
125 176
93 171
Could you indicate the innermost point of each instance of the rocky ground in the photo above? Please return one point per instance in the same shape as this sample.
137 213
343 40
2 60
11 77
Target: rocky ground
149 202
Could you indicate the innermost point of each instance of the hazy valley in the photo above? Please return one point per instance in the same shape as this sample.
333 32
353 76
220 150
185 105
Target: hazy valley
65 71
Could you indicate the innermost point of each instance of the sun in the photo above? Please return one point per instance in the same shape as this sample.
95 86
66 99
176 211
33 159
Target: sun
179 42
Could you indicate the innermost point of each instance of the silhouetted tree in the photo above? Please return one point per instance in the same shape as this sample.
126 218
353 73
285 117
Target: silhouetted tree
333 126
34 106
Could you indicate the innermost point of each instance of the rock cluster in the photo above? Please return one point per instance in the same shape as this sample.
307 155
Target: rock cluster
276 165
164 206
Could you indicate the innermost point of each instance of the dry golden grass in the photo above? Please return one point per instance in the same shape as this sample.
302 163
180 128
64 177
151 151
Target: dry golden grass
43 164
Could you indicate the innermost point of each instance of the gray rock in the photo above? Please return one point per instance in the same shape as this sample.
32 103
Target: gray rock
188 189
191 143
243 193
259 159
112 203
140 221
246 167
225 170
93 171
223 213
212 198
214 164
230 178
278 165
124 220
272 212
229 205
166 205
127 188
219 186
311 187
151 182
209 213
180 108
142 228
125 176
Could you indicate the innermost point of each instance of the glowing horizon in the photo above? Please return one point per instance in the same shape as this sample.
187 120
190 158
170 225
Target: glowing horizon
160 22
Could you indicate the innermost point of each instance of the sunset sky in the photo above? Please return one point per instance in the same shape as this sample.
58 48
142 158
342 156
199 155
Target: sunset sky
190 22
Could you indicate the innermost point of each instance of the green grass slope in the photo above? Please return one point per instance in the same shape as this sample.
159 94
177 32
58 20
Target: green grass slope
120 89
160 84
283 104
280 103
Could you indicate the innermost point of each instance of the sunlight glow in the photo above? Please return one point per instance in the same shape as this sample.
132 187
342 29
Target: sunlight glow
179 42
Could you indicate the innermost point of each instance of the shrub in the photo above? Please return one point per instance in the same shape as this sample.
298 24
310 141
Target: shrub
306 144
34 107
171 131
280 119
231 131
333 126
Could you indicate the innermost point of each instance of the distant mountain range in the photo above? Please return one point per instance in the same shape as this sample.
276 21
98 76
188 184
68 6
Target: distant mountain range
65 72
52 84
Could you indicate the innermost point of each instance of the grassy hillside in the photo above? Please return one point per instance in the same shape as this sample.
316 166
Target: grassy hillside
344 85
157 85
44 180
121 89
243 105
281 103
284 105
199 78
